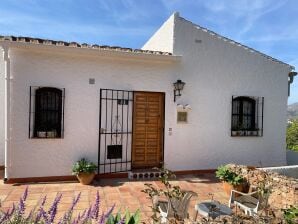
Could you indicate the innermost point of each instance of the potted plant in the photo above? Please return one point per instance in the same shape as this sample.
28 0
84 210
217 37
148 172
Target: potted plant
84 170
231 180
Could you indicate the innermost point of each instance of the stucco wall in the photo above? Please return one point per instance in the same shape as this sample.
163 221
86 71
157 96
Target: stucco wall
1 108
54 157
213 71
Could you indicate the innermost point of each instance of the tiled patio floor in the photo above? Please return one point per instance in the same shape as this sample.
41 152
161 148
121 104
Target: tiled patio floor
123 193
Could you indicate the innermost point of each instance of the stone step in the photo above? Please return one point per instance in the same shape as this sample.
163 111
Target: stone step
142 174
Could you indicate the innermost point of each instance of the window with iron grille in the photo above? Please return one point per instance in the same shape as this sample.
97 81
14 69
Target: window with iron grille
46 112
247 116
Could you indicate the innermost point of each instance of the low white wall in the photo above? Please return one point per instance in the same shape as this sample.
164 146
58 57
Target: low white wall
292 157
289 171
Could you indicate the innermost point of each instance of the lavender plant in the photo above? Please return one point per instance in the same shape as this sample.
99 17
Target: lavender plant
17 213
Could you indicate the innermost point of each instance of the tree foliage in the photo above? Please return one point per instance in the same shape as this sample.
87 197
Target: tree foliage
292 135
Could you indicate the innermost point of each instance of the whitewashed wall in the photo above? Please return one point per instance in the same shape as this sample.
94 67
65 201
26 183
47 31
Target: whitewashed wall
54 157
214 70
2 70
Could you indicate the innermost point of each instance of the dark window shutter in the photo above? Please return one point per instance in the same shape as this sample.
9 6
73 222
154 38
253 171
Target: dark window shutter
48 112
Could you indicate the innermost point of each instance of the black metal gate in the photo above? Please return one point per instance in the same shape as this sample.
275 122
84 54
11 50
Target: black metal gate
115 130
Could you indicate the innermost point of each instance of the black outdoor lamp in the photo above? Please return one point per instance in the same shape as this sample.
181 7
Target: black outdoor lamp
178 86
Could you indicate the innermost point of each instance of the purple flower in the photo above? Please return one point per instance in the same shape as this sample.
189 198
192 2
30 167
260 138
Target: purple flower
25 194
67 215
87 215
29 216
122 221
3 218
95 210
21 207
43 201
84 212
41 214
75 201
110 211
53 210
12 210
102 219
7 214
55 203
38 216
45 216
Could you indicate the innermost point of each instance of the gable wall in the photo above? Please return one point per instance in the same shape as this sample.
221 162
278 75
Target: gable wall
162 39
214 71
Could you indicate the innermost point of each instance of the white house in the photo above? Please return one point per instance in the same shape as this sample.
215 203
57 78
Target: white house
115 106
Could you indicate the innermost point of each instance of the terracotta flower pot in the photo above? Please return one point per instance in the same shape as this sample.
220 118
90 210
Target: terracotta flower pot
228 187
86 178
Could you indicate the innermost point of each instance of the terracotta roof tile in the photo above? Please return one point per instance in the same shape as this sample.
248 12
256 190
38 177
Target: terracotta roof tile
77 45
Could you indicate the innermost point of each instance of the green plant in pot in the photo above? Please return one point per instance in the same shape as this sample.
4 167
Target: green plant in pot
84 170
231 180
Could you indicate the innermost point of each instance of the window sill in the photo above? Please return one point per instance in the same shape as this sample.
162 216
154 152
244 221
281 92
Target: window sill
46 138
246 133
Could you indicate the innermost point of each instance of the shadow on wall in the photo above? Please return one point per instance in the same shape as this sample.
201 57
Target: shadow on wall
292 157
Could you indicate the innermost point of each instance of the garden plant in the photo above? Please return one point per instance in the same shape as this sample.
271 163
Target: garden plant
18 213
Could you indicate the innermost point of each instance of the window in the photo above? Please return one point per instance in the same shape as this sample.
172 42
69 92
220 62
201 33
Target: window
182 117
247 116
46 112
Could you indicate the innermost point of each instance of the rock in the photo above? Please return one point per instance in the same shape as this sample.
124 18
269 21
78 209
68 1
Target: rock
284 190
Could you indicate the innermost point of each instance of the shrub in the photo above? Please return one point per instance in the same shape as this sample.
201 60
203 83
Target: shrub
291 215
41 215
224 173
292 135
168 190
83 166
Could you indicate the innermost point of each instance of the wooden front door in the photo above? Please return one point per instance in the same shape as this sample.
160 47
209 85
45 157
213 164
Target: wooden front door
148 129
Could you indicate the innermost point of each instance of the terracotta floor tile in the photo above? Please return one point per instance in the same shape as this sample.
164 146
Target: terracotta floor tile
5 191
67 199
82 205
3 197
13 197
123 193
8 203
67 193
64 206
34 196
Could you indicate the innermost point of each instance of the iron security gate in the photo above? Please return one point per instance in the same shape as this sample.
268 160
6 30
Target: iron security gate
115 130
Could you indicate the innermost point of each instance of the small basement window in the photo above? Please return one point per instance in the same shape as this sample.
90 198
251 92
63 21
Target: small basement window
247 116
46 112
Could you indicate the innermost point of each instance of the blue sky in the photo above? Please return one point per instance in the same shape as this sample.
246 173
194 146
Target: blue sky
270 26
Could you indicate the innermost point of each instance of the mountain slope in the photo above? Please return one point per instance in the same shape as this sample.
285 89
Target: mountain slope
293 111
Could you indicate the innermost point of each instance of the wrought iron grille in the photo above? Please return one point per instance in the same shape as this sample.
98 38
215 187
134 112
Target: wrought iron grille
247 116
46 112
115 130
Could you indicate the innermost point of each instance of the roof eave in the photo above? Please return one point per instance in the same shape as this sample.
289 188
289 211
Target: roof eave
99 52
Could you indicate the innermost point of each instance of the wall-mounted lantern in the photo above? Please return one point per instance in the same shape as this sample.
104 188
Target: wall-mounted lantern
178 86
290 80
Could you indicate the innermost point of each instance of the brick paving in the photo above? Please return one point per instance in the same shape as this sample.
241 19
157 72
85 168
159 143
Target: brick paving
124 193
